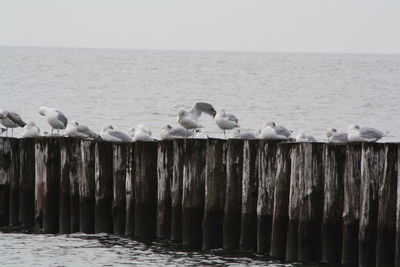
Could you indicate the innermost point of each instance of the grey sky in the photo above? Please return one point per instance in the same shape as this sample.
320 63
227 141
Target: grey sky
362 26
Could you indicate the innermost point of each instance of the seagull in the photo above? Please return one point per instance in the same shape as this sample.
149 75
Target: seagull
226 121
364 134
271 131
11 120
237 133
30 130
55 118
168 132
142 133
109 134
302 137
188 117
336 137
199 135
74 129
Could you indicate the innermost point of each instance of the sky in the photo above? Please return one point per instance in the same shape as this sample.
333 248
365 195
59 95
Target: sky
336 26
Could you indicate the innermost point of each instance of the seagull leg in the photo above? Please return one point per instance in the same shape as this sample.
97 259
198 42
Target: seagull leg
12 132
224 134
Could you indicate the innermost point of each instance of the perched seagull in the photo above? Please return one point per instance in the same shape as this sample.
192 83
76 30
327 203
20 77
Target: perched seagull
55 118
74 129
109 134
226 121
188 117
302 137
363 134
11 120
30 130
336 137
271 131
142 133
168 132
237 133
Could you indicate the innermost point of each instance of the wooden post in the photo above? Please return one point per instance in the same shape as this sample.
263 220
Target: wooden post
13 175
311 203
130 190
27 182
176 190
40 157
251 162
265 201
104 187
397 248
146 189
165 164
215 183
51 183
87 199
75 161
194 172
233 195
280 216
65 201
372 167
386 232
119 180
351 203
334 162
297 162
5 165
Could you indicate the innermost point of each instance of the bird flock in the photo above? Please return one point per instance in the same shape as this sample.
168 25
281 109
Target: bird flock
190 127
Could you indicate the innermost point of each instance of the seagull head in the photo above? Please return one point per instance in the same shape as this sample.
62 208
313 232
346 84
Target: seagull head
353 127
270 124
166 127
181 113
330 132
42 110
3 114
106 129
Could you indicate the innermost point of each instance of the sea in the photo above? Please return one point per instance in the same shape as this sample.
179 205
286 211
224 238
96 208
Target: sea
123 88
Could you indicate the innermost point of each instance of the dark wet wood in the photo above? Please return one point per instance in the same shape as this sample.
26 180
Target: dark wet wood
5 166
214 202
75 161
65 192
119 181
233 194
13 175
130 190
176 190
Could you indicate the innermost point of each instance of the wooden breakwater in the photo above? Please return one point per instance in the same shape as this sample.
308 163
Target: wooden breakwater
307 202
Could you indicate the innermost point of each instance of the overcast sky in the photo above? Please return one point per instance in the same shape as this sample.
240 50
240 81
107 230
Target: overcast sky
361 26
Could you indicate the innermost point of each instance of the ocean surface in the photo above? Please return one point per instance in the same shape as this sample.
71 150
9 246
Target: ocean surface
124 88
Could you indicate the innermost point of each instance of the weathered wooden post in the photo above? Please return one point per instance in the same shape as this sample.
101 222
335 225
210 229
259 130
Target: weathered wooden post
119 181
233 194
27 182
74 162
280 216
87 199
215 184
351 203
50 147
334 162
397 248
104 187
5 164
265 201
251 163
165 164
146 189
40 157
297 162
65 201
176 190
311 203
130 190
372 169
387 196
13 175
194 172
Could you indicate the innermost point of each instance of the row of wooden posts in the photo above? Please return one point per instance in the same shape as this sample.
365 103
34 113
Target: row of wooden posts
292 201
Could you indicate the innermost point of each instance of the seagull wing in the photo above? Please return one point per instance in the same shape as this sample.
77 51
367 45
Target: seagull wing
200 107
62 118
85 130
14 117
187 107
280 130
121 136
232 117
370 133
179 131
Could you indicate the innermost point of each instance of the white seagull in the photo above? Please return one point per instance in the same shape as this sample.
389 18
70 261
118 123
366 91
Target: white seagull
168 132
55 118
109 134
237 133
74 129
188 117
142 133
271 131
302 137
226 121
11 120
336 137
30 130
364 134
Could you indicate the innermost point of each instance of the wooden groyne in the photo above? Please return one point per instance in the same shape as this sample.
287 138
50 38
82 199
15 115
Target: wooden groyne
307 202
